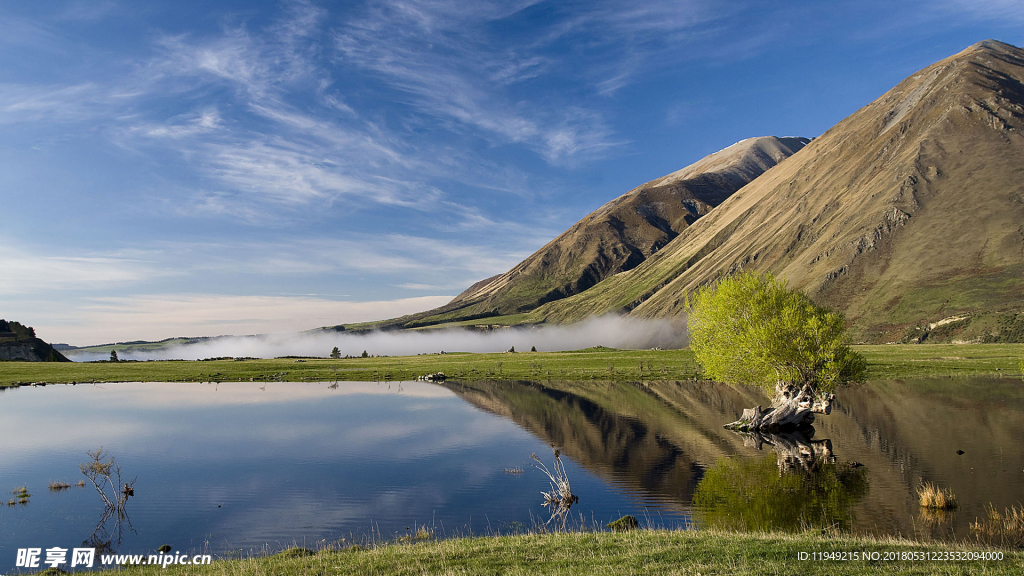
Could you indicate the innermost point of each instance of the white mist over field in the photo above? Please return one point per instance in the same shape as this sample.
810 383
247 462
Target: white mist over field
609 331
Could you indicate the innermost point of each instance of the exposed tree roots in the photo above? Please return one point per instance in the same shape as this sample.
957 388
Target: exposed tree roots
792 409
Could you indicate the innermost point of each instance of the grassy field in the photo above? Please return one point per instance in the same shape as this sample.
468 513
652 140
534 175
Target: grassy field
637 552
902 361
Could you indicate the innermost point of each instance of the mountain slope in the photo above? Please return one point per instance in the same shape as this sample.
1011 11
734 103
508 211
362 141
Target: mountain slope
617 236
19 343
909 211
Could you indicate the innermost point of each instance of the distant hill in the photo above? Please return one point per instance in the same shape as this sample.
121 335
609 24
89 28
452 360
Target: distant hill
616 237
908 215
138 345
19 343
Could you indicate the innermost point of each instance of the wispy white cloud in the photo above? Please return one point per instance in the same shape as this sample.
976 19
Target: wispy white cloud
158 316
434 52
28 272
411 257
413 286
188 126
233 58
295 158
17 31
20 103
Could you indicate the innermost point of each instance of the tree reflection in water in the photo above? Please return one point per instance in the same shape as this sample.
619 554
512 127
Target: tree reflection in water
104 473
801 488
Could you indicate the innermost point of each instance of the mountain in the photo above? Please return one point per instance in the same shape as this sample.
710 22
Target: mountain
616 237
19 343
908 215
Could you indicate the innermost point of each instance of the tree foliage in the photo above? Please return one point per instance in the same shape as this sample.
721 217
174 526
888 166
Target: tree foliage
752 329
335 353
20 330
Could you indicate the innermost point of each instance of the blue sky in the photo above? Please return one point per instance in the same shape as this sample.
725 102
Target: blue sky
217 167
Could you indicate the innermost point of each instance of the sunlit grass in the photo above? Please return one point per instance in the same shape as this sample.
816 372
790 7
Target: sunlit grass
894 361
931 496
573 553
1001 528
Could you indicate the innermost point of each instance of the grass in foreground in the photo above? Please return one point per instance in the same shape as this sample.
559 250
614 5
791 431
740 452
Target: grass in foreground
634 552
1001 528
893 361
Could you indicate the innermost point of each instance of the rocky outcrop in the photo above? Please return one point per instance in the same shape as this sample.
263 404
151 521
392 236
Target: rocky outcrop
18 343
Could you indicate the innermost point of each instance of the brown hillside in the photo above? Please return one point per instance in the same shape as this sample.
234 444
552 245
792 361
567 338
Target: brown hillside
908 212
616 237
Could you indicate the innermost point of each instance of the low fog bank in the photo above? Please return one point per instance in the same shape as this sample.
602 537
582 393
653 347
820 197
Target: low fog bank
610 331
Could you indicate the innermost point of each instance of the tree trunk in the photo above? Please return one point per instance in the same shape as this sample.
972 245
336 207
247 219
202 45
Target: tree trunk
794 450
792 408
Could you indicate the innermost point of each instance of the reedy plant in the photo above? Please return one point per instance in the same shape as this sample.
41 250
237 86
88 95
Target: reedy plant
560 499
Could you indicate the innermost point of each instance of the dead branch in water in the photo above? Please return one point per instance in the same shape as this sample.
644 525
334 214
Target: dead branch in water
560 499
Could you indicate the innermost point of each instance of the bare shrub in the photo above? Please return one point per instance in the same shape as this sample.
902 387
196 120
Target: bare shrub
104 473
560 499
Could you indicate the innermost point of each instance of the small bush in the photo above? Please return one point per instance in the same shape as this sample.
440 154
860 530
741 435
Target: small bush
420 535
931 496
295 553
624 524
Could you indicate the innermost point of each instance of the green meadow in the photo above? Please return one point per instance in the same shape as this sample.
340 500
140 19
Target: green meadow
884 361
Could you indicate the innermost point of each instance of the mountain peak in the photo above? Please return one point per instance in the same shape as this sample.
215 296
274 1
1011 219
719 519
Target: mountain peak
752 156
994 46
903 215
616 237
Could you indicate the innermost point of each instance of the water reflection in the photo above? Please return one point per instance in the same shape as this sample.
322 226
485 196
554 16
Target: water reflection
665 441
611 429
104 473
252 465
753 494
246 464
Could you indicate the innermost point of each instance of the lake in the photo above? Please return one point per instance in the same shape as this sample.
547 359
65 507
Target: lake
233 468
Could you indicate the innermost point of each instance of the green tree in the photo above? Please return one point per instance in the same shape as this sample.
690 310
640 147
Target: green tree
335 353
113 356
20 330
751 494
365 355
751 329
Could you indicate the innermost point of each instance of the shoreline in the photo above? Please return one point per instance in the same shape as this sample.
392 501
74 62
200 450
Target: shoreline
601 364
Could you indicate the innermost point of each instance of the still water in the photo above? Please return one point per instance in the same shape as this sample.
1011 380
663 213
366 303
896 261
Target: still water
241 466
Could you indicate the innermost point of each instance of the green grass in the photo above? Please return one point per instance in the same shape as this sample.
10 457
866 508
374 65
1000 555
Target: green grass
599 363
895 361
634 552
930 360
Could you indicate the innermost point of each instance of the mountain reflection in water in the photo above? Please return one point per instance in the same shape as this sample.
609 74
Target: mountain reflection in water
240 466
665 440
